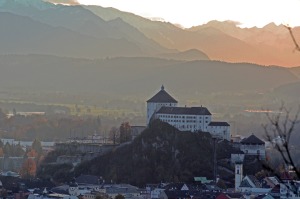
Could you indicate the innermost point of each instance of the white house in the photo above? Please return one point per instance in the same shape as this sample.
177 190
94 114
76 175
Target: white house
250 184
185 118
164 107
253 146
219 129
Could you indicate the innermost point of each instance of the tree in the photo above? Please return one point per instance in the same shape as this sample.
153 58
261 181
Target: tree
14 112
7 149
119 196
101 196
32 153
1 152
297 47
114 135
279 132
125 132
28 168
17 150
221 184
37 146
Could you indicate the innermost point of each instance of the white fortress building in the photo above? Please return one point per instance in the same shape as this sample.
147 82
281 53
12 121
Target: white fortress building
164 107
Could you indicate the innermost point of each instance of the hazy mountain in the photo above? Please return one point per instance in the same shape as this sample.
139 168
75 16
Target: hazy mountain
224 41
83 21
270 45
296 70
288 92
24 35
189 55
136 76
273 43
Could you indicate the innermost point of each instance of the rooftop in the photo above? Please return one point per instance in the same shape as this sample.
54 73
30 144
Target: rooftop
252 139
184 110
163 97
218 124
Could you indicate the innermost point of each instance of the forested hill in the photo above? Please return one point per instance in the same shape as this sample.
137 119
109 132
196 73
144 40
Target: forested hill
160 154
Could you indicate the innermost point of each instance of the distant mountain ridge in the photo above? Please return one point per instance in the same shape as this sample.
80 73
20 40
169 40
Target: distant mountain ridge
270 45
107 38
24 35
136 76
133 35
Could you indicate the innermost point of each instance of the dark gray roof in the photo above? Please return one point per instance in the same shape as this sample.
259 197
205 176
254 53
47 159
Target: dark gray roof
252 139
218 124
87 179
184 110
64 189
163 97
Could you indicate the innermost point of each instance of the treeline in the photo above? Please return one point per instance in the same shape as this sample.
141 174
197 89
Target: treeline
46 127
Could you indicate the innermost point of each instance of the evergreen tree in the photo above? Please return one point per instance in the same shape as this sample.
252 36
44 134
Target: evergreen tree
37 146
7 149
125 132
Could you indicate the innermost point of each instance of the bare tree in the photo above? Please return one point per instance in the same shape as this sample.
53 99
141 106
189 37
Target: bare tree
297 47
279 130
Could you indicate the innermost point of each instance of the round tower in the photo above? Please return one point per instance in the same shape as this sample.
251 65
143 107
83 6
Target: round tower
160 99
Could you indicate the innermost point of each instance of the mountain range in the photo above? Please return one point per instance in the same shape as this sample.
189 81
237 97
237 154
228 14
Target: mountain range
34 26
136 76
224 41
97 32
54 47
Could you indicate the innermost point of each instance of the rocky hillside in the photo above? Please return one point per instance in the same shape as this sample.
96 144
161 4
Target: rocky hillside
160 153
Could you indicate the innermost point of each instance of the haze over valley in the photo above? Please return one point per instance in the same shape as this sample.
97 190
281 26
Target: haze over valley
120 98
114 59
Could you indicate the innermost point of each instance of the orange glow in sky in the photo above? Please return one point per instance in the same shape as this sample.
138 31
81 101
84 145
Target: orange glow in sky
195 12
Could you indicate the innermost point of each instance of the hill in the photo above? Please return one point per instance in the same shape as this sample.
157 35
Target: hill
296 71
135 76
288 92
160 154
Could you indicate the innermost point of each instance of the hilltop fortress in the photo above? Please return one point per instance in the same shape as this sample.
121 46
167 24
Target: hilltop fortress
164 107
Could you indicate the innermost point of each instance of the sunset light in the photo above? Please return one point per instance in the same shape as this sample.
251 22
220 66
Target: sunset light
191 13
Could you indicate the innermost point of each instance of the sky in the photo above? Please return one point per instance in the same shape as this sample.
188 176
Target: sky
196 12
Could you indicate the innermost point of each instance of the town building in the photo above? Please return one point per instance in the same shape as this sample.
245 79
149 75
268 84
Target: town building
253 146
164 107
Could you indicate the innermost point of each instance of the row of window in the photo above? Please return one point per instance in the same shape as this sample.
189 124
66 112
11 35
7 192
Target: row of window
216 127
182 116
181 121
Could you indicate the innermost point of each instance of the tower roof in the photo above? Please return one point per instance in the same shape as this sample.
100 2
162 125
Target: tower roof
162 96
252 139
